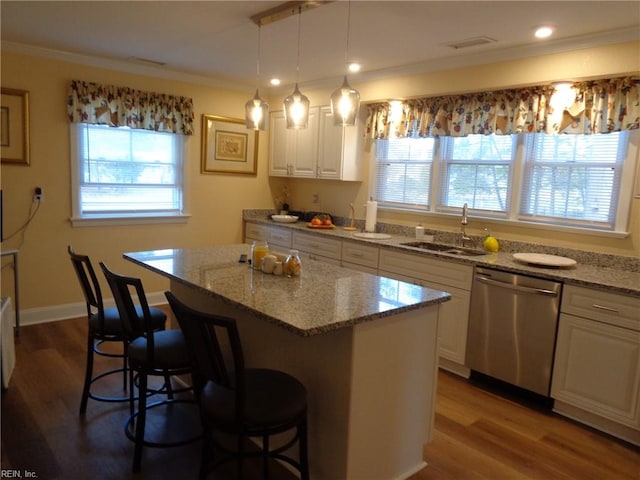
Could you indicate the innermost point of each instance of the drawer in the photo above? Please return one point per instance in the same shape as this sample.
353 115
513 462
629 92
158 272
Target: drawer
612 308
422 267
279 236
255 231
364 255
323 246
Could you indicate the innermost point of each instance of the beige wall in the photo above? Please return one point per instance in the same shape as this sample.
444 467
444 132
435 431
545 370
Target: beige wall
46 277
216 201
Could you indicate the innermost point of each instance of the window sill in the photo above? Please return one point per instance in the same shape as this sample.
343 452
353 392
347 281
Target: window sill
127 220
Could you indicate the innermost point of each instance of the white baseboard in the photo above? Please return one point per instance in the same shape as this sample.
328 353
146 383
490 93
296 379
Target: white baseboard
33 316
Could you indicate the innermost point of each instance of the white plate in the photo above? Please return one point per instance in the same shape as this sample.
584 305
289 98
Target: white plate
372 236
544 259
284 218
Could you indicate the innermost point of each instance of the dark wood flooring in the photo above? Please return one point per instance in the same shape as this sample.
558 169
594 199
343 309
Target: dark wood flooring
478 435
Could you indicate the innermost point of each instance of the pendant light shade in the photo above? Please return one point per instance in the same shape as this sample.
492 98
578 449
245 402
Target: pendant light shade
296 105
345 104
256 110
256 113
296 109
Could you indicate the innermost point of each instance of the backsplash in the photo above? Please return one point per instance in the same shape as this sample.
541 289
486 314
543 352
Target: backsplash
620 262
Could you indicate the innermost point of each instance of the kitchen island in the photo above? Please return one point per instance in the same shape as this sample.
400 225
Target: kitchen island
364 346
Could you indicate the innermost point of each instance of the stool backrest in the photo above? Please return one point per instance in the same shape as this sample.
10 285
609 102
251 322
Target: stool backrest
215 349
89 283
135 316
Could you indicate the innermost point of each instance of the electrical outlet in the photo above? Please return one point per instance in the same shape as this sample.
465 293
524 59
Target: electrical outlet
38 195
315 198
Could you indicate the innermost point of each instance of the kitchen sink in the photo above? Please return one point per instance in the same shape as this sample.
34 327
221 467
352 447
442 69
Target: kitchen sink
450 249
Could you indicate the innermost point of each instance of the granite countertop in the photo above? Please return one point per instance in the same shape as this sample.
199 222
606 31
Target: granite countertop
324 298
618 274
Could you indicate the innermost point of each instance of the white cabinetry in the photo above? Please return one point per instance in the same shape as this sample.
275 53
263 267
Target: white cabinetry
293 152
317 247
339 149
451 277
279 239
596 375
321 150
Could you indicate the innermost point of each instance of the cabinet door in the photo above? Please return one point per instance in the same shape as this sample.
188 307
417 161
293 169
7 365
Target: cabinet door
340 148
453 318
305 158
597 368
281 145
330 146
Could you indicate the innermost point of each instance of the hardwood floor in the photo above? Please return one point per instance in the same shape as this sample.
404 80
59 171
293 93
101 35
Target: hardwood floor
478 434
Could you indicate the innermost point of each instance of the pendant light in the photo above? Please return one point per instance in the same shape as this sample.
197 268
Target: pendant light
257 109
345 101
296 105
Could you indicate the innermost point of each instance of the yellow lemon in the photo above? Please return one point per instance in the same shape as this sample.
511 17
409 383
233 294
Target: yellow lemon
490 244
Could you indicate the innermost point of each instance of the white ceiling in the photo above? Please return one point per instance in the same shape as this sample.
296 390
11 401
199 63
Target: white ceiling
216 42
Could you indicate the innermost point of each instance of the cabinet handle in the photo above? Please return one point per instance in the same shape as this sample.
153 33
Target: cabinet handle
607 309
356 254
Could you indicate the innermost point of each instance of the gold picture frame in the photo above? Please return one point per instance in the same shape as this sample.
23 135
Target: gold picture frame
14 127
228 146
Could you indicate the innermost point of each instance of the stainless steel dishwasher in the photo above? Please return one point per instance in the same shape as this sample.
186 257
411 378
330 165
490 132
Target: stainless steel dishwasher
512 328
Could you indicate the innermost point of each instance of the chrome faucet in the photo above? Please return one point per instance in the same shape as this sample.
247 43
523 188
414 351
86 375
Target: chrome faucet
463 224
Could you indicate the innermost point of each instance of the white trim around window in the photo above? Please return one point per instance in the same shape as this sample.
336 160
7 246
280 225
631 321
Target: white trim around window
123 215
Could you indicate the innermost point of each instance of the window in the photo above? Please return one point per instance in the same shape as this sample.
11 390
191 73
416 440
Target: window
476 170
126 173
403 172
573 181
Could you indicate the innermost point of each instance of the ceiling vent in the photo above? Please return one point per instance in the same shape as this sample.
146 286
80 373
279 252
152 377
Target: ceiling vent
471 42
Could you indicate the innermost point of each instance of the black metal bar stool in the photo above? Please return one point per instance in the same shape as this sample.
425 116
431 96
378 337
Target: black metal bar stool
104 326
150 353
238 401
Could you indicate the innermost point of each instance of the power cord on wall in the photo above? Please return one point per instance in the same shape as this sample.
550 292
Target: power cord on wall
33 210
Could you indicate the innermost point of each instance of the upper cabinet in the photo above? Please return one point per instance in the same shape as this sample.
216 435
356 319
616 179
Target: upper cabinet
322 150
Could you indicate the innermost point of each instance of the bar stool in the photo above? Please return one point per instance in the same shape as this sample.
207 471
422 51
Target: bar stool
104 326
150 353
238 401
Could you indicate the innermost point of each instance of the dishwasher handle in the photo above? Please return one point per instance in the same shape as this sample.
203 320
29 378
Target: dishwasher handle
519 288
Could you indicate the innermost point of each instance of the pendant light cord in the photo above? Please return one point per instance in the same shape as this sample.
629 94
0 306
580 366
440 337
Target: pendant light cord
298 57
258 58
346 52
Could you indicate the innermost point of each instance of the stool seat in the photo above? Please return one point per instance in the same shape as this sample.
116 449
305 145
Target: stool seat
169 351
112 325
272 398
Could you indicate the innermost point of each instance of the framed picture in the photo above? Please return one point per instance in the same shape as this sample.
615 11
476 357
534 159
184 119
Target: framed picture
14 126
228 146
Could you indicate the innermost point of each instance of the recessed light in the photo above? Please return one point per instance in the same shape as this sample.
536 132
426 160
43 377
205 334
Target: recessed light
275 82
544 31
354 67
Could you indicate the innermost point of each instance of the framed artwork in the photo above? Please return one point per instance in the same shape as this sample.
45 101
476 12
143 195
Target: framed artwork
228 146
14 126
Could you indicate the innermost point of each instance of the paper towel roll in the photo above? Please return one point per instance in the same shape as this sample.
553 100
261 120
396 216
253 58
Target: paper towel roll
372 212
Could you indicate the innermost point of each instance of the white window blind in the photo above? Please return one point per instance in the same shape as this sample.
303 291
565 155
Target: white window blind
573 179
476 170
403 172
124 172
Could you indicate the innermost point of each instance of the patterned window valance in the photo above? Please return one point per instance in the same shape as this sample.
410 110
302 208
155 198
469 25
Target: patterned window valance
598 106
122 106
